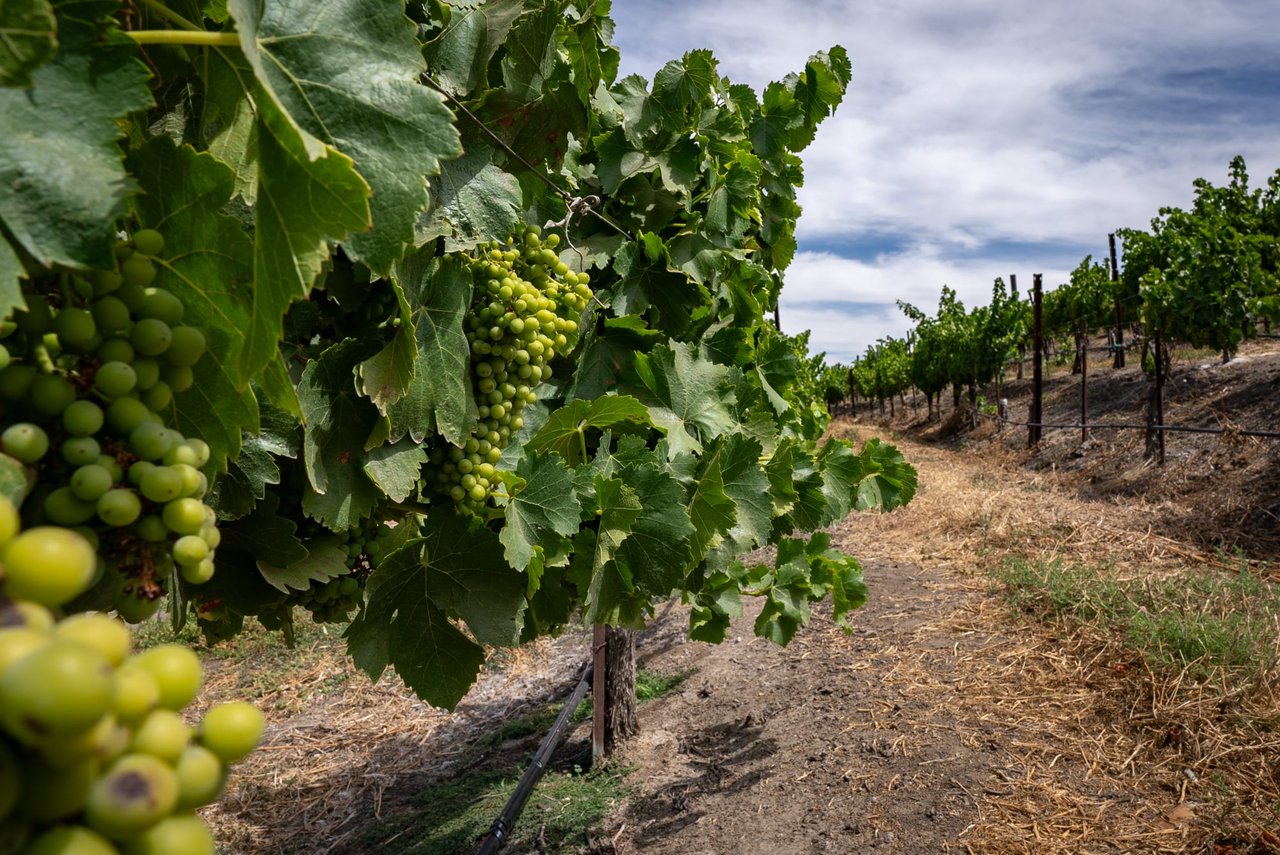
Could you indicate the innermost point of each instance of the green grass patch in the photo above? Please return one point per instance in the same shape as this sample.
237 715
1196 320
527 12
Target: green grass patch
1204 621
450 817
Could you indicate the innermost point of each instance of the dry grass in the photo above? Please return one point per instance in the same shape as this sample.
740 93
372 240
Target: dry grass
1108 754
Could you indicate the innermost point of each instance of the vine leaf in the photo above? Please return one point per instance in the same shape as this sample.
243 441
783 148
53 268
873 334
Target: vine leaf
394 468
690 396
400 626
467 574
472 201
462 52
59 148
439 396
28 38
325 559
542 510
565 431
337 420
305 202
345 74
206 265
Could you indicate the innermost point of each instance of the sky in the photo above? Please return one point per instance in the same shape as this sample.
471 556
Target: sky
983 138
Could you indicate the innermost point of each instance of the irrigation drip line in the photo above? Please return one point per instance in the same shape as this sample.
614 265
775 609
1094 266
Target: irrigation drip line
511 812
575 203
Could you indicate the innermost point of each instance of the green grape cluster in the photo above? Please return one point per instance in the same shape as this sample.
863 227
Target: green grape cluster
95 756
88 369
333 600
525 313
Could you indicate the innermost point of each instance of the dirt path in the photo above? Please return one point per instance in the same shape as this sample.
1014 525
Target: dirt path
943 724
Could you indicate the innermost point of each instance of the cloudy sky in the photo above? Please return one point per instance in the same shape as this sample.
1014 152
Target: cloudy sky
982 138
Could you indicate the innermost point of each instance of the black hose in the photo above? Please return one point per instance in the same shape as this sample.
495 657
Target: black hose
511 812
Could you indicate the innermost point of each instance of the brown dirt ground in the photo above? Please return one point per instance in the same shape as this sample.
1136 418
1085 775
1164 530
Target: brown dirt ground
943 723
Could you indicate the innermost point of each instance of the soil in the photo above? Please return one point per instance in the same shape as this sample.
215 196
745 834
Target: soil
943 722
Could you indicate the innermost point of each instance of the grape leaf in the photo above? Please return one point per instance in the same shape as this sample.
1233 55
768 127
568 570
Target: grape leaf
711 510
264 535
467 575
305 201
745 483
656 553
11 274
385 377
59 150
439 397
325 559
684 82
394 468
460 55
688 396
28 37
345 73
336 421
206 265
542 508
565 431
472 201
606 582
399 626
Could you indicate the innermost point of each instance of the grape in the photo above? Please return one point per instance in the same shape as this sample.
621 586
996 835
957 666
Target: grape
151 528
179 377
99 631
112 316
175 835
148 241
70 840
158 397
151 337
63 508
17 642
158 483
137 272
105 281
75 328
48 565
59 690
200 777
83 418
148 371
161 734
152 441
119 507
184 516
80 450
124 415
51 394
190 549
187 346
116 350
198 573
115 379
176 671
232 730
162 306
135 692
136 793
89 483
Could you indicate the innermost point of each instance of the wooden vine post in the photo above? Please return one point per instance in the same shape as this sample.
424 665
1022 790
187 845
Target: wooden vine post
1037 371
1115 278
1084 382
613 690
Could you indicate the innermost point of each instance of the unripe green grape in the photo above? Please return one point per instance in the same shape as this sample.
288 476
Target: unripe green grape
97 630
148 371
211 534
232 730
132 295
184 516
88 483
70 840
116 350
198 573
148 241
80 450
187 347
201 777
151 337
152 441
16 381
190 549
17 642
83 418
193 483
59 690
159 483
174 835
161 734
24 441
105 281
179 377
125 415
137 791
133 607
109 463
162 306
115 379
152 529
111 315
119 507
176 671
158 397
199 448
137 271
63 507
75 328
135 693
51 394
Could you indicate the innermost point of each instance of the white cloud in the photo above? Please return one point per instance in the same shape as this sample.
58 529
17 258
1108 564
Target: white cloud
972 124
